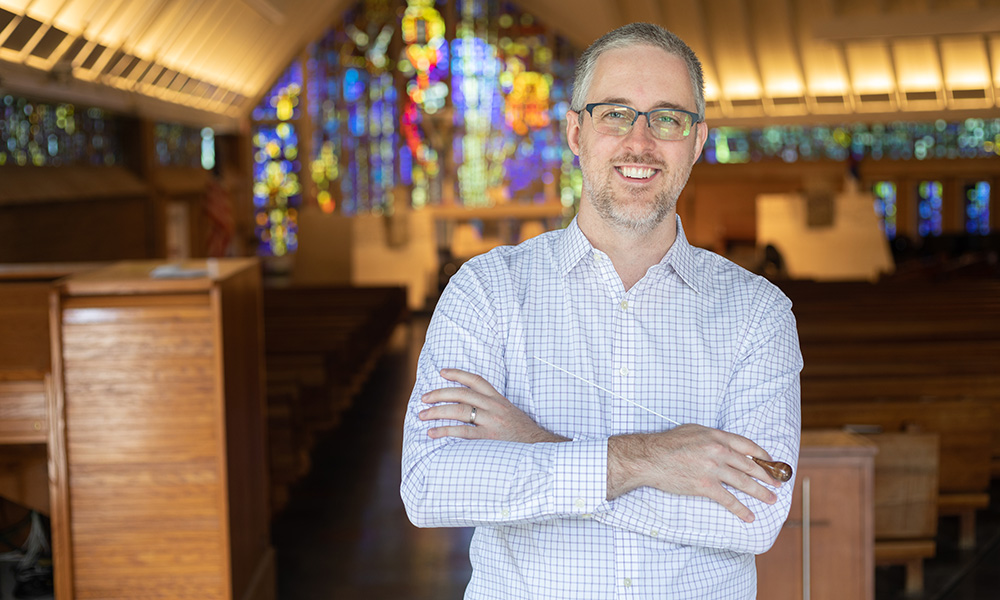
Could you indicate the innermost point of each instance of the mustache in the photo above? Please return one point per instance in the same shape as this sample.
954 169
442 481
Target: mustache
639 159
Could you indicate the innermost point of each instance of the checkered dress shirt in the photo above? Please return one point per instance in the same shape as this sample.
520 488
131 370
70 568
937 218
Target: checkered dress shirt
698 339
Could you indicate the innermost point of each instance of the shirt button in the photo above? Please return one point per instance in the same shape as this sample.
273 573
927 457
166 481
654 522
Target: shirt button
623 371
580 503
505 513
654 533
627 582
624 305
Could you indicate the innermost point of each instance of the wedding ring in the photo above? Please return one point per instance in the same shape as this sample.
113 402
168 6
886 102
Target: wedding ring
472 419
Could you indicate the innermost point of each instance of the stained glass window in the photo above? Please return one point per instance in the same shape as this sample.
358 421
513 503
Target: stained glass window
181 146
277 192
885 206
977 208
972 138
929 205
46 135
396 102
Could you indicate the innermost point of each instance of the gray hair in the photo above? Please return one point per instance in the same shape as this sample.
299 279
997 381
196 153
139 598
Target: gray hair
636 34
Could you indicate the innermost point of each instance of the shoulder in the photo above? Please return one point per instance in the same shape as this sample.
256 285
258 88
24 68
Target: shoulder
724 279
511 266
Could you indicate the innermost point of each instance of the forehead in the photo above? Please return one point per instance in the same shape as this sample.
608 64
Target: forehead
642 76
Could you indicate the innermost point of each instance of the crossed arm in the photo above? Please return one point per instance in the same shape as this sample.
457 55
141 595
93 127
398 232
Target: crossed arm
689 460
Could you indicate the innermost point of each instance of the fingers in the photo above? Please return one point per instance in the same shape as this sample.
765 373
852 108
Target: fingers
476 391
466 403
746 449
696 460
747 480
469 380
455 412
453 395
466 432
736 476
730 503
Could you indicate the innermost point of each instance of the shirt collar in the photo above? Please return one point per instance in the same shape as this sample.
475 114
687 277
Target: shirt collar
574 246
681 259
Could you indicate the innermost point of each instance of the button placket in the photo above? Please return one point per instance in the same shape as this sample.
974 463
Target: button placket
621 369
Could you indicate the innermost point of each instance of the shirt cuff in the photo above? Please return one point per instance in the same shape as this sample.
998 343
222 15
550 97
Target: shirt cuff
581 476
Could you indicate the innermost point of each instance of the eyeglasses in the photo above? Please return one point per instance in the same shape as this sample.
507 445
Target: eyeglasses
668 124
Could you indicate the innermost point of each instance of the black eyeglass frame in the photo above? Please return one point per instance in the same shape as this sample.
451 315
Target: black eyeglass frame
695 117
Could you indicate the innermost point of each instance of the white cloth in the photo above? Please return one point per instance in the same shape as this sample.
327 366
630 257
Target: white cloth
698 339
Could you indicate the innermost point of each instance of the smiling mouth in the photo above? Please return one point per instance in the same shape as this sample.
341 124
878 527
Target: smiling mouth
637 173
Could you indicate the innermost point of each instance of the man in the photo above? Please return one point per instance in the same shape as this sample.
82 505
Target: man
552 370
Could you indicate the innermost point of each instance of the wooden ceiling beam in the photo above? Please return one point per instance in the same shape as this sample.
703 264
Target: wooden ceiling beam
897 25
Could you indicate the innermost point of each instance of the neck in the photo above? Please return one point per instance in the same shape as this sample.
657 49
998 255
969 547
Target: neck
631 253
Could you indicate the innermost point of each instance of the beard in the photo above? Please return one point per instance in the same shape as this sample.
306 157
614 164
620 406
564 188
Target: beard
633 212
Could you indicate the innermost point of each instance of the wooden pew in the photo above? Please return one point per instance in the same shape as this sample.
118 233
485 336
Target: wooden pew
24 435
25 364
328 338
906 494
906 341
964 427
321 343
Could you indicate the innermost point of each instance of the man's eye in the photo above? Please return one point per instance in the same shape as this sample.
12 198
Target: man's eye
667 119
615 115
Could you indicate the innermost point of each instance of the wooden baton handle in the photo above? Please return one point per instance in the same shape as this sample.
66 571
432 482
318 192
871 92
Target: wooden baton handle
779 470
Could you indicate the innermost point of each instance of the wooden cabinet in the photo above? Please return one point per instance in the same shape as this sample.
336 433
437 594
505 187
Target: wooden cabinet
826 548
160 430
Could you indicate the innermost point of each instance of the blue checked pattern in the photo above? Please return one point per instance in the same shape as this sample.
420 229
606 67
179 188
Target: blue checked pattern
698 339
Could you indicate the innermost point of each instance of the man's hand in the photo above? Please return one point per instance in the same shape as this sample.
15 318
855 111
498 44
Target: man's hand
495 417
690 460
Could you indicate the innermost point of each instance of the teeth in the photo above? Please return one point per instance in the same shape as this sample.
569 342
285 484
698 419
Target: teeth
636 172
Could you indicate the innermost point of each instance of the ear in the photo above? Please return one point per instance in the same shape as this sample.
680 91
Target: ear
573 131
700 137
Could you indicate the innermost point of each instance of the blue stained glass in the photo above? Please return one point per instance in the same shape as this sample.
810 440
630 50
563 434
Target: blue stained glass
354 85
405 165
977 208
929 221
885 206
356 122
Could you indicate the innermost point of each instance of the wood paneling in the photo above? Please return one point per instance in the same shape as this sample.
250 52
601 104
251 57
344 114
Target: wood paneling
24 322
94 230
126 483
23 413
164 433
833 558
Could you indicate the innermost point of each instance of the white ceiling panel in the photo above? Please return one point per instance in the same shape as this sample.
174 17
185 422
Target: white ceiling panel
917 63
765 60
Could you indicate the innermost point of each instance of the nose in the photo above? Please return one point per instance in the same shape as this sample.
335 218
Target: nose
641 137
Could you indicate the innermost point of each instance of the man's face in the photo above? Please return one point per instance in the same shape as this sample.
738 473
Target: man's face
633 181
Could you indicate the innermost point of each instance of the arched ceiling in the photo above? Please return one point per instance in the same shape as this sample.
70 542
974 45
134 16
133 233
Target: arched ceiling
207 62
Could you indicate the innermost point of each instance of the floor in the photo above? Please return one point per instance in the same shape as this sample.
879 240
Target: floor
344 534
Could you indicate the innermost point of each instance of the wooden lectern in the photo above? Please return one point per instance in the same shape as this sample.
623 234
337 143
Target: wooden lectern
159 458
826 548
